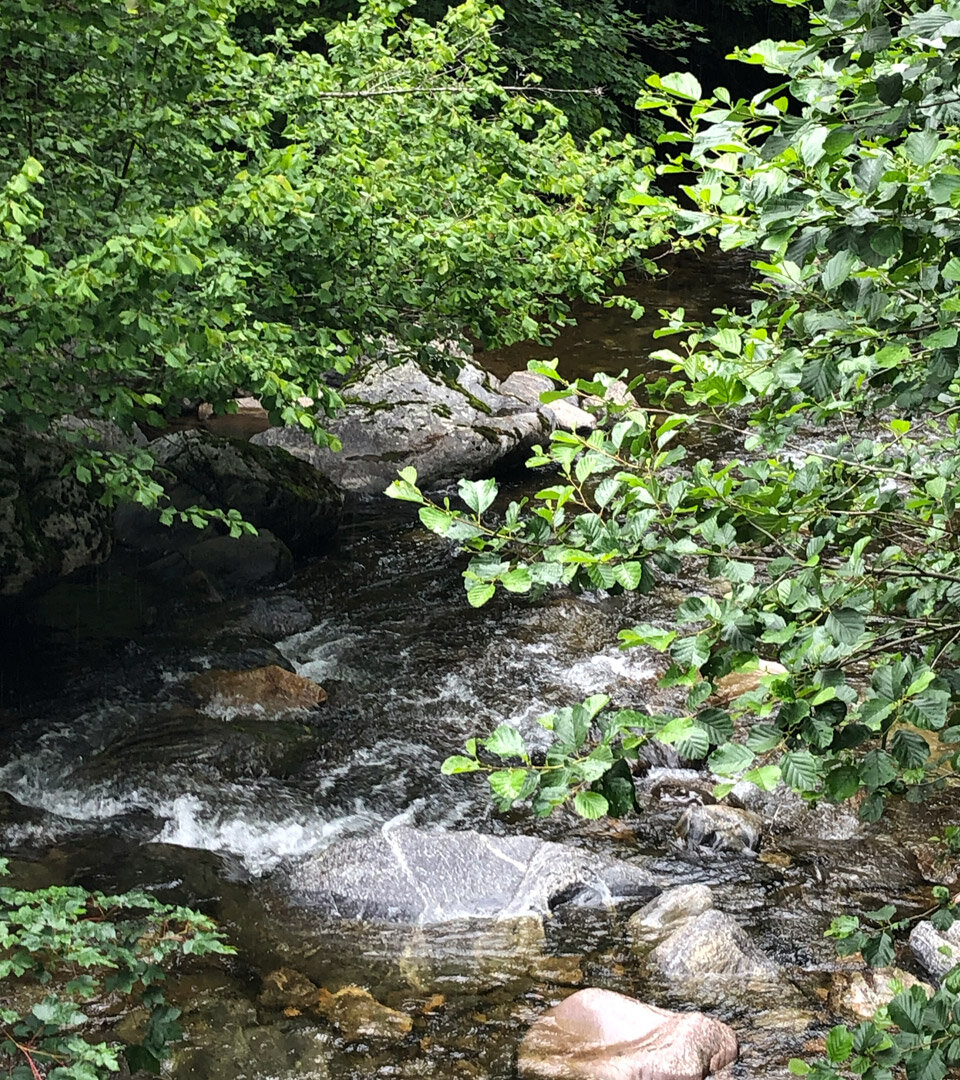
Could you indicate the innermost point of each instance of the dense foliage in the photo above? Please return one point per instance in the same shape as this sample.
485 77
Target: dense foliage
65 954
583 46
826 539
184 219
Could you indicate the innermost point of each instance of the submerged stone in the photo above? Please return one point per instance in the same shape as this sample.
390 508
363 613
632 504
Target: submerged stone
671 911
721 827
410 876
713 946
264 691
600 1035
358 1015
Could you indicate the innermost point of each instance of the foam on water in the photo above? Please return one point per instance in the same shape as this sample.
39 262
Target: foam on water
259 842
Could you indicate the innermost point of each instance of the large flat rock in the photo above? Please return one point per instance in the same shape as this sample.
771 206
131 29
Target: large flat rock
414 877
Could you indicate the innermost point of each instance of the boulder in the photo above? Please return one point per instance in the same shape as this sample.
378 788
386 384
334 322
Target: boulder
721 827
50 525
235 744
713 945
264 691
937 950
413 877
858 994
670 912
273 490
563 413
784 811
398 416
99 434
230 563
601 1035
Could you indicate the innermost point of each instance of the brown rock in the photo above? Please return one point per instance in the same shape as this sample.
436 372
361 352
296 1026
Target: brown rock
358 1015
269 690
858 994
729 687
600 1035
287 988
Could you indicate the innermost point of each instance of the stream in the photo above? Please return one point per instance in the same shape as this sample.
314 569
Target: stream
114 778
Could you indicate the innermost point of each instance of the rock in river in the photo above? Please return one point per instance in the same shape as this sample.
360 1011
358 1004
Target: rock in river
713 945
413 877
263 691
399 415
722 827
670 912
599 1035
937 950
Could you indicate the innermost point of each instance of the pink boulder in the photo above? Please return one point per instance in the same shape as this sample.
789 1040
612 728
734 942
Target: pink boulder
600 1035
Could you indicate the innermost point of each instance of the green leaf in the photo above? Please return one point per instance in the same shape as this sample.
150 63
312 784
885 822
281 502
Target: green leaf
842 783
507 783
800 770
457 763
846 625
648 634
877 769
680 84
590 804
766 777
478 494
692 651
922 147
478 595
878 950
909 748
951 271
506 742
693 744
730 759
434 519
837 269
763 737
518 580
810 144
839 1044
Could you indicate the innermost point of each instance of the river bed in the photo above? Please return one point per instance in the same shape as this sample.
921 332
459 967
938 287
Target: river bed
118 780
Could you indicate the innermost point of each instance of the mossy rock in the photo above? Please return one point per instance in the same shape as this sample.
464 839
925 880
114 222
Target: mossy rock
50 525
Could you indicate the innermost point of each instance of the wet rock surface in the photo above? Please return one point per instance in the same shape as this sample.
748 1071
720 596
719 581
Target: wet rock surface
353 1010
937 950
407 875
271 489
599 1035
711 946
669 913
563 413
720 826
294 509
856 995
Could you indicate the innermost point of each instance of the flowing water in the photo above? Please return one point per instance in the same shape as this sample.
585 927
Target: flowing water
117 779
